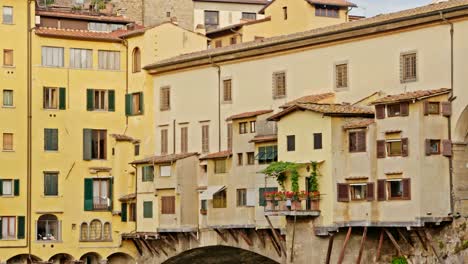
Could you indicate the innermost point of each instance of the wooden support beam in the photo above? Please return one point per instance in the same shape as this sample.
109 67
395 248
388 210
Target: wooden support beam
168 244
137 246
160 247
330 248
393 241
293 239
276 236
421 239
361 248
232 232
245 236
194 236
173 237
379 248
150 248
274 243
220 234
348 235
429 239
261 237
407 240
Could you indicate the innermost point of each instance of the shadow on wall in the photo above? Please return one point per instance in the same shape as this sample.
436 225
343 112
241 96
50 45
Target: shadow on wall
219 254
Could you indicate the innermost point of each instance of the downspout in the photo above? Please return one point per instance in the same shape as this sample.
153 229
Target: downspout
173 137
136 196
451 99
219 101
29 132
125 43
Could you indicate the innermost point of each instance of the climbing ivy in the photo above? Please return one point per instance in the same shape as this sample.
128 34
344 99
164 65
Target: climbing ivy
313 180
279 170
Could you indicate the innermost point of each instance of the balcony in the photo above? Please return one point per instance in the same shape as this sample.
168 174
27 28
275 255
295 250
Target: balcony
101 203
287 206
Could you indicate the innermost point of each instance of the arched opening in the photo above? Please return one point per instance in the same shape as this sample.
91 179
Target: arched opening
461 127
91 258
136 59
61 258
48 227
219 254
22 259
107 231
84 231
120 258
95 230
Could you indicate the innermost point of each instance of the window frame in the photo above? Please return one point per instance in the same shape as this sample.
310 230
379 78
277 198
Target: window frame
391 111
388 144
279 77
56 175
290 143
206 18
244 15
101 153
47 228
4 146
98 96
165 98
318 146
406 75
241 197
341 70
353 194
51 100
253 126
243 128
250 158
12 187
8 221
98 201
227 90
329 11
10 98
438 143
388 189
147 173
4 15
218 168
430 111
104 62
240 159
161 169
6 53
136 60
220 199
59 51
355 134
148 205
76 60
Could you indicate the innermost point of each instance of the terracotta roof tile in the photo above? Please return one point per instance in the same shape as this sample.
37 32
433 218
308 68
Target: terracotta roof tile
332 2
83 16
127 197
315 98
409 96
327 109
264 138
113 36
248 114
238 25
120 137
359 123
255 2
164 159
217 155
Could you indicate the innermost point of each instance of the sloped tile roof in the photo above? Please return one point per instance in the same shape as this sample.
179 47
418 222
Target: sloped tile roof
332 2
409 96
358 123
217 155
164 159
326 109
264 138
120 137
248 114
254 2
315 98
83 16
80 34
127 197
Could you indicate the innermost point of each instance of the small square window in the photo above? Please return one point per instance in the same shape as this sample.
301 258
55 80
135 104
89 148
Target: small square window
250 158
219 199
434 146
358 191
394 148
7 187
433 108
395 189
393 110
243 128
220 166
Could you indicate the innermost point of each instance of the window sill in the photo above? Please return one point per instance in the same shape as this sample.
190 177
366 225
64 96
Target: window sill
227 102
279 97
341 89
8 150
53 67
49 241
51 151
103 240
9 239
9 106
51 196
9 66
409 81
50 109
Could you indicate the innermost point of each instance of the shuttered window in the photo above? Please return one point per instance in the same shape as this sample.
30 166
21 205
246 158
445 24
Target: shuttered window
279 85
357 141
241 197
291 143
317 140
184 139
165 98
343 192
381 190
50 139
243 128
447 148
408 67
100 100
123 212
227 90
8 57
94 144
7 141
370 191
381 149
229 136
399 189
109 60
395 147
168 205
148 209
8 98
380 111
8 227
205 139
52 56
7 15
147 173
50 183
432 147
446 108
267 154
164 141
136 65
341 78
81 58
134 104
220 166
7 187
358 191
431 108
219 199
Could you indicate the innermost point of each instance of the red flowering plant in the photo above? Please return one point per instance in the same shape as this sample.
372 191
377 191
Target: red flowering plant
289 195
280 196
302 195
269 195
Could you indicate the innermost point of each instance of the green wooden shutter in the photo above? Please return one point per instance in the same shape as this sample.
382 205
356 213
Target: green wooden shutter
62 98
87 142
90 99
50 139
20 231
17 187
1 188
111 100
128 104
148 209
142 108
123 212
111 187
46 139
88 194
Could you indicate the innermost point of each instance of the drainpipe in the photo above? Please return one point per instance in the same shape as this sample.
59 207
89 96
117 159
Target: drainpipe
29 132
219 101
136 196
173 137
125 43
451 99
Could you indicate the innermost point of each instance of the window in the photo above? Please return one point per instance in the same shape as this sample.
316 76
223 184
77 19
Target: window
327 11
136 149
233 40
408 67
395 189
205 138
147 173
317 140
267 154
101 190
285 12
211 19
81 58
393 110
109 60
220 166
250 158
95 230
165 170
8 141
341 78
433 108
240 159
229 136
148 209
241 197
7 187
432 146
165 97
51 98
48 227
279 85
291 143
184 139
164 141
243 128
84 232
52 56
261 194
95 143
7 15
136 66
249 16
50 183
134 103
357 141
8 227
50 139
8 57
252 126
102 99
106 233
218 44
7 98
358 191
219 199
132 212
227 90
394 148
167 204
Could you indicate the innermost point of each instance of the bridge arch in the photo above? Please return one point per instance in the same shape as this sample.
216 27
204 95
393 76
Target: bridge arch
219 254
91 258
61 258
461 127
22 258
120 258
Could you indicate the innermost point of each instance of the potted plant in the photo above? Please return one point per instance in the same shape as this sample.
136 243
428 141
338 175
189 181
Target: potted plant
314 195
296 204
314 200
269 196
203 211
281 198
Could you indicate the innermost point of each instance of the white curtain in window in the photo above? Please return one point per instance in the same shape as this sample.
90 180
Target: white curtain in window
7 188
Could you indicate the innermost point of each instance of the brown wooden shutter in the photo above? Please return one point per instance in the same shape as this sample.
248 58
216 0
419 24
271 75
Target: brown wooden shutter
380 149
184 139
404 147
426 107
446 108
343 192
406 189
229 136
164 142
370 191
381 192
168 205
380 111
361 141
427 144
205 139
404 109
447 148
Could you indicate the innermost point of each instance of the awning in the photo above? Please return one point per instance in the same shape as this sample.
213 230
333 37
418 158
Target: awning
210 191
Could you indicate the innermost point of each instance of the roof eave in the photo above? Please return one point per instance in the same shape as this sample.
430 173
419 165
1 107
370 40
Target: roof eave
114 40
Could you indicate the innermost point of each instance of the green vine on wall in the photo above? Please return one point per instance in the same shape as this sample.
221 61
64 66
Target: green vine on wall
280 169
313 179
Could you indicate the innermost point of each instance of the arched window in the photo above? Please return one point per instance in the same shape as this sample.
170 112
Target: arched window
95 230
107 231
48 227
136 60
84 231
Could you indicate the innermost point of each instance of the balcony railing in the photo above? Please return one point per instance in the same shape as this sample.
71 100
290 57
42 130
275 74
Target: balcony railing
308 207
100 203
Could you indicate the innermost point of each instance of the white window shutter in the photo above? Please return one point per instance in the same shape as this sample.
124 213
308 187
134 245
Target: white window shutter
251 197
